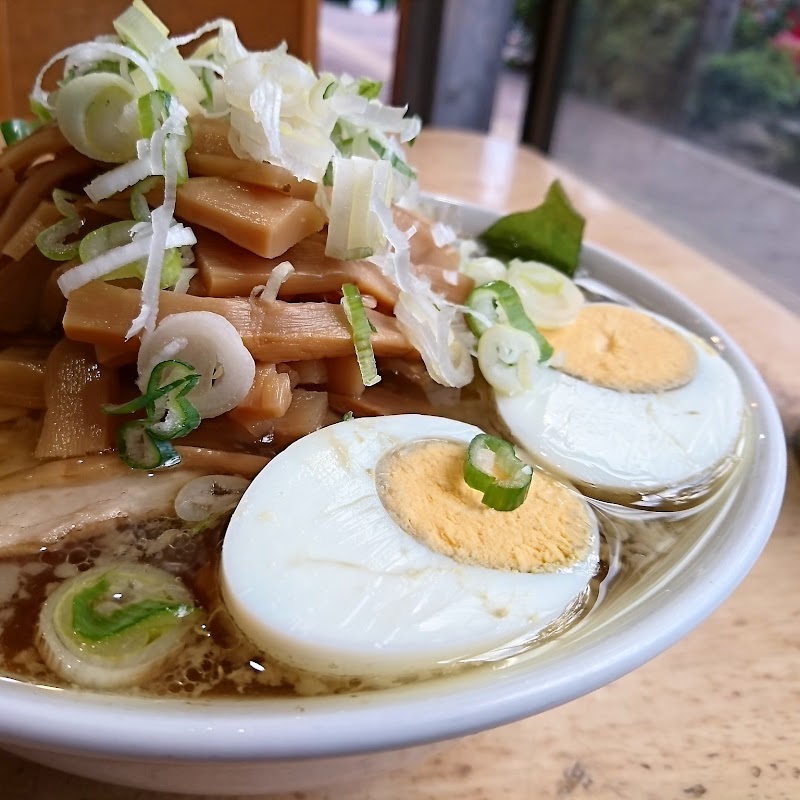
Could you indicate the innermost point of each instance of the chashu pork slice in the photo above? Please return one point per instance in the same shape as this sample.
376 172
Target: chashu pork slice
74 496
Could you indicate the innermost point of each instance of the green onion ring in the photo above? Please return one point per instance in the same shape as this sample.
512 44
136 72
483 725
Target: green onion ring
140 449
492 467
14 130
488 300
356 314
92 625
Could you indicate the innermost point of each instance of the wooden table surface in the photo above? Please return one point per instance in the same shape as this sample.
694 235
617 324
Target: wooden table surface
718 715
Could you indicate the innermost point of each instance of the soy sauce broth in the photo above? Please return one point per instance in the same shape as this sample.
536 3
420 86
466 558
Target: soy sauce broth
217 660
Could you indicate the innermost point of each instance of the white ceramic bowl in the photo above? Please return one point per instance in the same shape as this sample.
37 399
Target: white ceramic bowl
238 747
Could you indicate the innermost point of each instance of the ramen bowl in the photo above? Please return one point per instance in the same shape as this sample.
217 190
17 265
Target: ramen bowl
240 746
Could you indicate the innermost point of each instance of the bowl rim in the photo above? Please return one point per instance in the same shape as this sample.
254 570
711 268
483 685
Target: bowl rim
133 728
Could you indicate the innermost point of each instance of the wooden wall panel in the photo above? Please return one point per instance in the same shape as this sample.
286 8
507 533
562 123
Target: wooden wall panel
32 30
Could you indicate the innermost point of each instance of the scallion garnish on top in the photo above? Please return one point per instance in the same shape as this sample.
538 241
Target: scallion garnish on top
492 467
114 625
490 300
12 130
356 314
92 625
51 242
145 443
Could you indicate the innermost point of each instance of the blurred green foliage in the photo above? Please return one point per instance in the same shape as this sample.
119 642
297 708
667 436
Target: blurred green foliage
756 82
628 53
758 22
524 12
643 58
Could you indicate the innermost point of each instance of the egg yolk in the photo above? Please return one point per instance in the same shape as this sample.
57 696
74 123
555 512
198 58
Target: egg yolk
422 487
621 348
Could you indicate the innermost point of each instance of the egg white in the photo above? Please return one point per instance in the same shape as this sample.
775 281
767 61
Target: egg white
316 572
622 442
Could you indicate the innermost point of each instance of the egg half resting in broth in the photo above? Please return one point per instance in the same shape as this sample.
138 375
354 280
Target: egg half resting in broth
361 551
633 405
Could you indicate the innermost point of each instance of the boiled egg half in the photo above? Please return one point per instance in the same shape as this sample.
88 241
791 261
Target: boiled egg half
360 551
632 406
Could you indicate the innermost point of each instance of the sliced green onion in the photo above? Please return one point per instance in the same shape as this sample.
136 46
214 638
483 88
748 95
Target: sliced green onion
64 202
169 375
153 109
356 314
400 166
330 89
483 269
104 65
495 302
117 234
42 113
492 467
144 444
140 28
114 625
397 163
140 449
340 138
96 113
140 209
507 358
175 414
348 415
13 130
51 241
208 78
170 271
166 377
105 238
93 625
369 89
550 298
498 302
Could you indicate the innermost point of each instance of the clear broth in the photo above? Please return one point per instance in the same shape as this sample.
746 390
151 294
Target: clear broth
218 661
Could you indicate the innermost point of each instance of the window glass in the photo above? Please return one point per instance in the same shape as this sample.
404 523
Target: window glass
689 112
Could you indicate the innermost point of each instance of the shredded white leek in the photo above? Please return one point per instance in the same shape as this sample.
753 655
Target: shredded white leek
275 281
281 112
226 44
435 332
82 274
271 119
140 28
396 264
185 278
442 234
161 219
121 177
354 228
91 51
